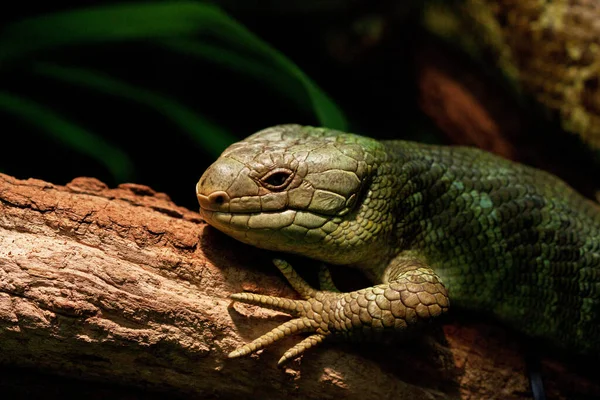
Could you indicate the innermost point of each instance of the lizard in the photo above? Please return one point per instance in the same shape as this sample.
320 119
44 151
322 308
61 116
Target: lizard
433 227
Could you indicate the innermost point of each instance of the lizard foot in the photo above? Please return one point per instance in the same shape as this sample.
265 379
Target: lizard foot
415 294
310 314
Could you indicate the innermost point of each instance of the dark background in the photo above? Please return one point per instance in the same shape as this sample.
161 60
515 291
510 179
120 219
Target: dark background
360 60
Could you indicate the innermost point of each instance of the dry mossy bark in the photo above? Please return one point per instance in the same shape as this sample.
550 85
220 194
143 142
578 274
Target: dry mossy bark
122 286
476 108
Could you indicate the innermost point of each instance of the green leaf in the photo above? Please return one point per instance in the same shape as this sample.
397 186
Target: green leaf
207 134
152 21
115 22
238 36
70 134
278 80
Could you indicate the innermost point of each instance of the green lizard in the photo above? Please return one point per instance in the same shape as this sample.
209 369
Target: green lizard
429 225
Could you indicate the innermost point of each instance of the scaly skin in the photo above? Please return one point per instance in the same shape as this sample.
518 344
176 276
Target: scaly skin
426 223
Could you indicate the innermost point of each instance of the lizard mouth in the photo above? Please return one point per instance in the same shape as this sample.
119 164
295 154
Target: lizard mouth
273 226
287 230
219 202
244 221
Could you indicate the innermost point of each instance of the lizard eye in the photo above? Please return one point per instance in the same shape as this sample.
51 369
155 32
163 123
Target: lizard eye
277 179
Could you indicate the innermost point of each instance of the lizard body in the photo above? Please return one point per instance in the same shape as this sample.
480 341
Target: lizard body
430 225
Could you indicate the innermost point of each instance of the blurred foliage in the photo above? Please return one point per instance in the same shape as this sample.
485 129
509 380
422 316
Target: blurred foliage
192 29
70 134
152 92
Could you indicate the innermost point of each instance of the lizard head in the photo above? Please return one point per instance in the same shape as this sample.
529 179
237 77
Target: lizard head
301 190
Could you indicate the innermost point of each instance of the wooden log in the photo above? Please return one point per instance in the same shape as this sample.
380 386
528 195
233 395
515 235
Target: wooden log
122 286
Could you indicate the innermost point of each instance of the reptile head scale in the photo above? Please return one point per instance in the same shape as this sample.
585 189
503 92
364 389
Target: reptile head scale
293 184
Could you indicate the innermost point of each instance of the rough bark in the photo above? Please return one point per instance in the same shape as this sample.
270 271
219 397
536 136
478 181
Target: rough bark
474 107
122 286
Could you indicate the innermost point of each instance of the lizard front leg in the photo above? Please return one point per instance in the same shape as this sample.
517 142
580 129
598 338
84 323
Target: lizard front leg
414 294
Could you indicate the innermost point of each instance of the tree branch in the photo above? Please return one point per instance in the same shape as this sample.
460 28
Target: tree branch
122 286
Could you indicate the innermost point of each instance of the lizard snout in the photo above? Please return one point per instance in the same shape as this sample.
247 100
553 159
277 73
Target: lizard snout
221 176
216 201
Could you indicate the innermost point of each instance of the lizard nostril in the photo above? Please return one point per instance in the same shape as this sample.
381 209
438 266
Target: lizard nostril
219 199
214 201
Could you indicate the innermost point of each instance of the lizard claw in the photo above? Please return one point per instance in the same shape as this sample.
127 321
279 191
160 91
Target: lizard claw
298 349
308 313
414 295
288 328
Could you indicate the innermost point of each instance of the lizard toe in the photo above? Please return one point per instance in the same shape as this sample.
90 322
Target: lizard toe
288 328
298 349
290 306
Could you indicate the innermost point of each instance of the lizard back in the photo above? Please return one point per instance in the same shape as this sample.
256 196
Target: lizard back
505 238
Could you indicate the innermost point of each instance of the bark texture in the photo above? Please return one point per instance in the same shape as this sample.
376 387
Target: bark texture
122 286
477 108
